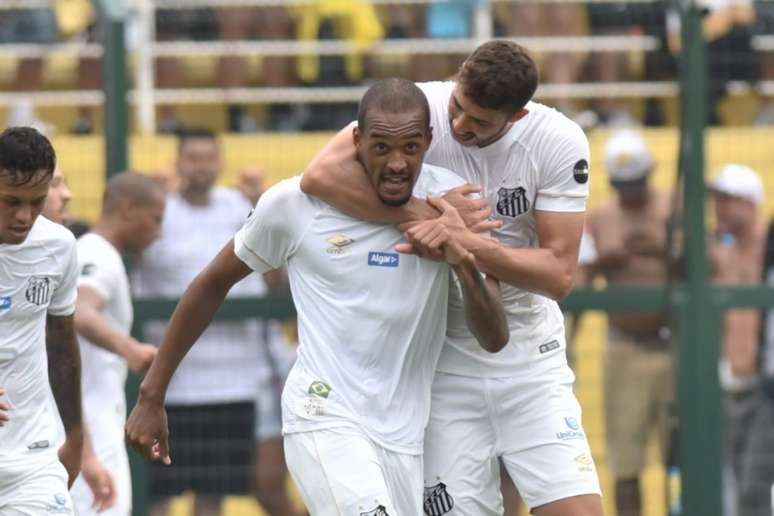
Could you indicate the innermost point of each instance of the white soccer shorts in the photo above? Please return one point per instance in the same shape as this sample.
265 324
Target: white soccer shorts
40 492
341 472
531 422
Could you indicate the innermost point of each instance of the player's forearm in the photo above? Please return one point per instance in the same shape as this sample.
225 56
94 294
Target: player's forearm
741 341
193 314
484 312
92 325
535 269
346 186
64 372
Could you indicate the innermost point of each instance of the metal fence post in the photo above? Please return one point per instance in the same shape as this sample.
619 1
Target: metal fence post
699 392
115 84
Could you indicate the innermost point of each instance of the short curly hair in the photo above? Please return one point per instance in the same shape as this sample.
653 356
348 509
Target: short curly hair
499 75
26 155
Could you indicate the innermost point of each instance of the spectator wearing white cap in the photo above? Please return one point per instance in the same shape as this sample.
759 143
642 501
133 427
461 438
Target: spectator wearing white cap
737 260
629 232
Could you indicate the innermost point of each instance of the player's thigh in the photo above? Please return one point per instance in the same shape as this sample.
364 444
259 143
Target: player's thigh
461 471
43 492
543 444
338 472
404 480
628 406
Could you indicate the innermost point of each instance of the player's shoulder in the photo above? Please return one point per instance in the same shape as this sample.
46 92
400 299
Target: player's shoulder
91 245
549 126
434 181
287 195
50 235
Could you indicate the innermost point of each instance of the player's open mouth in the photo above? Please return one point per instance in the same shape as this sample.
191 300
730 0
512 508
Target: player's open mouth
19 231
395 183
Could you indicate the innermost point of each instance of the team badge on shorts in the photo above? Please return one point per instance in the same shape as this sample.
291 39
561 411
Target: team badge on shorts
380 510
38 290
512 202
437 500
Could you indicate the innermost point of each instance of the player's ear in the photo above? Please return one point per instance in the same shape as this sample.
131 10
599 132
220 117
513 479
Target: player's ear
518 115
356 136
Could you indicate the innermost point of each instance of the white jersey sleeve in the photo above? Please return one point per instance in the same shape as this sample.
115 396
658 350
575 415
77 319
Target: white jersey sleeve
276 226
564 165
63 298
95 270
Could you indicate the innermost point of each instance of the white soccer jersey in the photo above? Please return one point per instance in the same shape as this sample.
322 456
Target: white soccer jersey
37 278
371 321
103 374
541 163
220 368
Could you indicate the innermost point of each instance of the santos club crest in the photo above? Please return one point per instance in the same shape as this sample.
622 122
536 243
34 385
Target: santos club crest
512 202
379 511
437 501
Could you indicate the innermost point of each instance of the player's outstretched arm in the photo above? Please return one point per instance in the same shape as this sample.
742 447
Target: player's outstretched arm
146 428
549 269
91 323
337 177
64 375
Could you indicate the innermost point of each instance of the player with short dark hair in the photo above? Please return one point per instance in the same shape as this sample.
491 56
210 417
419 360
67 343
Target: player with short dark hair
38 347
371 321
518 406
132 211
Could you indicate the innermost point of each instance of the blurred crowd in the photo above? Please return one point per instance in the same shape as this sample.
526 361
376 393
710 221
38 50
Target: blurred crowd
730 26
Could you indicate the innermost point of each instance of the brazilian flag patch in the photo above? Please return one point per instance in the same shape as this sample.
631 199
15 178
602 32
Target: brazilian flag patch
320 389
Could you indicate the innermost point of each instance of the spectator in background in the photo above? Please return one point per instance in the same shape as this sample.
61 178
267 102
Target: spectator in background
623 19
547 19
756 477
737 260
447 19
356 22
178 25
32 27
629 232
211 399
728 28
132 210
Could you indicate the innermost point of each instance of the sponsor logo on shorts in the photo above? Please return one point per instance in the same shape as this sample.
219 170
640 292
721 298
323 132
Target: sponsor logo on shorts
379 259
319 388
549 346
38 290
5 302
437 501
59 506
580 171
584 462
38 445
340 244
380 510
574 431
